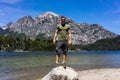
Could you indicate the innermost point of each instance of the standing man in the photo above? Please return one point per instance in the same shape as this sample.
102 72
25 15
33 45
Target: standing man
62 38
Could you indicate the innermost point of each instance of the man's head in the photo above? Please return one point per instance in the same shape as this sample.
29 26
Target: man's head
63 20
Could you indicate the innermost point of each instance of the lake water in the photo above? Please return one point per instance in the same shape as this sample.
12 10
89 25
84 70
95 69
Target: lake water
32 65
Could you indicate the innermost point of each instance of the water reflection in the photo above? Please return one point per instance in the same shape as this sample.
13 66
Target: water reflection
26 64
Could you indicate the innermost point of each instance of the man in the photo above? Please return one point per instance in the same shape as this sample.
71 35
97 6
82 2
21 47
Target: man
64 39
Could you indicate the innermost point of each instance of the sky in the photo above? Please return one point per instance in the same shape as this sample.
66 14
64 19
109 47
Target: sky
103 12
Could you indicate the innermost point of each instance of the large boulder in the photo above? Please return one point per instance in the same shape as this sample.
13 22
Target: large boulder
60 73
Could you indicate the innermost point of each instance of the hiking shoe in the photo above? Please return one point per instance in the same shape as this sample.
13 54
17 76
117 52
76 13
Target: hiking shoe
64 65
56 65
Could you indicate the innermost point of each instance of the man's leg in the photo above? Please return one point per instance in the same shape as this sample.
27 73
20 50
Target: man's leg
57 58
58 48
65 50
64 57
64 60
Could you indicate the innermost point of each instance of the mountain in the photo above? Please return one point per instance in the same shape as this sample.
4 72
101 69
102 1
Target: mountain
111 44
1 30
45 25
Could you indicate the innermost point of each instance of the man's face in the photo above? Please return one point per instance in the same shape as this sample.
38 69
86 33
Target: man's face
62 19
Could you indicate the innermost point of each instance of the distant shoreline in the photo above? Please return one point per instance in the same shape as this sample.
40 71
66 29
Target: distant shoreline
54 51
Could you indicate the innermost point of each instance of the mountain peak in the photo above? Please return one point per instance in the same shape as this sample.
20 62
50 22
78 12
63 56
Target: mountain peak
45 24
48 13
25 19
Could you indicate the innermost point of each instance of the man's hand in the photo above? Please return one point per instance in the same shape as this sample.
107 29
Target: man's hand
54 42
70 42
54 38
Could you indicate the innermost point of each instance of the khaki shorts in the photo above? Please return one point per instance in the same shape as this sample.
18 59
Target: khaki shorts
61 47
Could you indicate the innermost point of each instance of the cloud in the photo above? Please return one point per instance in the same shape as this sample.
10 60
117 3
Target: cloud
10 1
8 14
8 9
12 11
5 11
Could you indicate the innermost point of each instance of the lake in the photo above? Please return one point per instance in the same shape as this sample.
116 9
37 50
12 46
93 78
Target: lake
32 65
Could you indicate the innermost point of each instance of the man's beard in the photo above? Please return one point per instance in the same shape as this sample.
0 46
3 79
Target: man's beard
63 23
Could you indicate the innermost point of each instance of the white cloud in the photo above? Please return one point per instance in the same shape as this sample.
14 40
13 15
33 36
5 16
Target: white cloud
12 11
8 9
10 1
8 14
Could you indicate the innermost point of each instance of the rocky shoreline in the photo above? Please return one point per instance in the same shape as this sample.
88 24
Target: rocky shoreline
88 74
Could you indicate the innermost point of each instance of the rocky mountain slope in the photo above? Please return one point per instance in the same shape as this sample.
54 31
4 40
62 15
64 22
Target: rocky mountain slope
46 24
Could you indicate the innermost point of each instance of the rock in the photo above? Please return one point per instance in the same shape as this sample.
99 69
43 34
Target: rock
59 73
